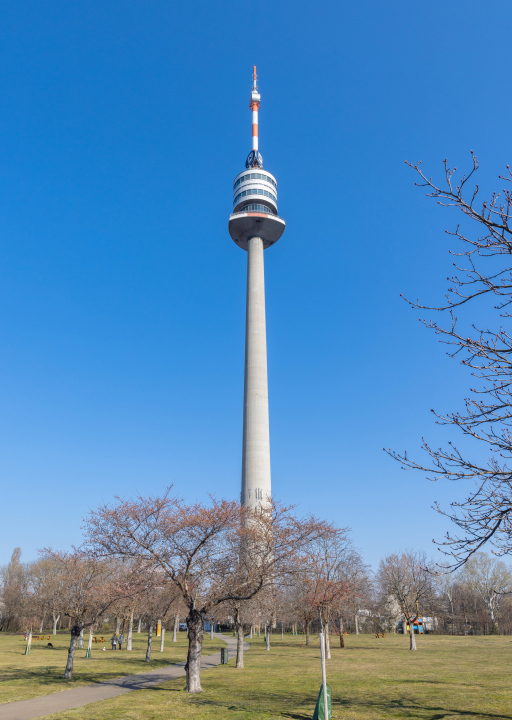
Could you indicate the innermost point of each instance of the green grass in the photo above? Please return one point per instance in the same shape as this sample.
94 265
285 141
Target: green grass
41 673
448 677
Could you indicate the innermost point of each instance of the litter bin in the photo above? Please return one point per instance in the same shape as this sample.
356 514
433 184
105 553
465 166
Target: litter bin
224 657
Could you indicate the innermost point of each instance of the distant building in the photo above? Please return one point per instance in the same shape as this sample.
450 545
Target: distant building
420 624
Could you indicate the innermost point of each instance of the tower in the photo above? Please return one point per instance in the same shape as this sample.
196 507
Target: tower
255 225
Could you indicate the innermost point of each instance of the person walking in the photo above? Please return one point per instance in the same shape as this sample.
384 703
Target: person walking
121 640
114 641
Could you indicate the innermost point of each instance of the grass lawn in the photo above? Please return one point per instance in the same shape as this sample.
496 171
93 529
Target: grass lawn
41 672
448 677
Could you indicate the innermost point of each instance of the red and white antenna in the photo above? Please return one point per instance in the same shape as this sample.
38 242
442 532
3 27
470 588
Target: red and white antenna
254 105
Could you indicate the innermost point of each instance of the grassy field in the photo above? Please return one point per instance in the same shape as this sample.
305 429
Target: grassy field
463 678
40 673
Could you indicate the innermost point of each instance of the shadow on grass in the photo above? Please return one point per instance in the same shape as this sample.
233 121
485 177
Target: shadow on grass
420 711
52 674
407 706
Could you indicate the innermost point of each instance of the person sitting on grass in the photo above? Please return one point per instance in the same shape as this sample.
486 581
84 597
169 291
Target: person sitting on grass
114 641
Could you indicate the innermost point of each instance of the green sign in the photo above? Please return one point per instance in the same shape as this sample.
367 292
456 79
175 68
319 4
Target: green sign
319 713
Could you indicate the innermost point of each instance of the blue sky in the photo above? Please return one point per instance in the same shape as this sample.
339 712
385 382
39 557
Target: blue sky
122 297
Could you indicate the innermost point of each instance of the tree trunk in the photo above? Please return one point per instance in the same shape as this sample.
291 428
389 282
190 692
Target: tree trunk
356 620
118 625
239 639
342 639
267 637
195 644
175 628
130 633
162 635
41 625
412 644
282 631
55 621
139 626
250 633
308 623
81 640
75 634
211 629
150 637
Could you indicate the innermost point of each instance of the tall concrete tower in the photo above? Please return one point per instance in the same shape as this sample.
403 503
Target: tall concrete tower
255 225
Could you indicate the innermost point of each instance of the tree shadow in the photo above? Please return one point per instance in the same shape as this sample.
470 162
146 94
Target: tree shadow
52 674
382 708
408 705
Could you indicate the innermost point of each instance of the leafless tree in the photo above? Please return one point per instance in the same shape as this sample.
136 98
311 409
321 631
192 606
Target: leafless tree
491 579
356 583
14 591
482 272
90 587
406 579
321 573
47 584
213 553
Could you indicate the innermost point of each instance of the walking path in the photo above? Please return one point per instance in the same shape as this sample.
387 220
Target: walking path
78 697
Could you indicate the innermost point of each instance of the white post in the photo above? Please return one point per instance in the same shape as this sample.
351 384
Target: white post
162 635
256 486
89 644
130 633
324 676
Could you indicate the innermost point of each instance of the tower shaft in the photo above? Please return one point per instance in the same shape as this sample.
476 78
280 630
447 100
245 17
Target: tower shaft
256 488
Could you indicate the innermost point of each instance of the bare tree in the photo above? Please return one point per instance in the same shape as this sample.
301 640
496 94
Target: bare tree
48 586
213 553
491 579
90 587
356 588
482 273
301 590
15 583
407 580
324 564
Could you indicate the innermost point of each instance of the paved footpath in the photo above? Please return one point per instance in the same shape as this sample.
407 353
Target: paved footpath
78 697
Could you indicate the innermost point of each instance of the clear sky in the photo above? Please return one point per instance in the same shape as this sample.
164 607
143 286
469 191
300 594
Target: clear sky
122 296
